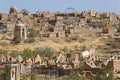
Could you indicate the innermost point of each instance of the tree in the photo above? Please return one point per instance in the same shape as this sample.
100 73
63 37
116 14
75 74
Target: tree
34 33
1 52
73 76
104 74
29 40
40 51
81 65
23 77
76 47
83 47
64 49
14 54
47 52
26 54
7 71
18 40
33 55
34 76
4 53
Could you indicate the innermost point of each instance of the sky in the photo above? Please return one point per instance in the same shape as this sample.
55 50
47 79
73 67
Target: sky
61 5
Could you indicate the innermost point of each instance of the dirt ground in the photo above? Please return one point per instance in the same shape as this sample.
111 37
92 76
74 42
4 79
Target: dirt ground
59 44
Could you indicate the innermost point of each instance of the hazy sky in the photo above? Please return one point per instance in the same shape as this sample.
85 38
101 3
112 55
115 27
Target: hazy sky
61 5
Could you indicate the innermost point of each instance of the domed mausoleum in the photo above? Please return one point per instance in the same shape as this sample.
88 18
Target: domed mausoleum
13 10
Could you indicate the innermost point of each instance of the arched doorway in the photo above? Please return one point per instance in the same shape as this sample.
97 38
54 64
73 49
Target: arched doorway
23 33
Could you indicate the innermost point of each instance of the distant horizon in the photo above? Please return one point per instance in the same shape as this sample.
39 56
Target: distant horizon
55 6
57 11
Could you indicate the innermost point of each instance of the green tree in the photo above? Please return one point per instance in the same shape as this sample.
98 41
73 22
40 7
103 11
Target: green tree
34 33
4 53
83 47
18 40
34 76
29 40
14 54
64 49
7 71
26 54
40 51
81 65
33 55
74 76
1 52
23 77
104 74
47 52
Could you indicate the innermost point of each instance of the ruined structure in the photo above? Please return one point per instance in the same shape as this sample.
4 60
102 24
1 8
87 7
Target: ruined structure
20 31
13 10
58 24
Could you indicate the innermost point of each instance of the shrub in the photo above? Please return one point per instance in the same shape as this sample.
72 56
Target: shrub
42 39
109 36
18 40
81 40
29 40
34 33
34 76
23 77
47 52
72 38
7 71
76 37
101 74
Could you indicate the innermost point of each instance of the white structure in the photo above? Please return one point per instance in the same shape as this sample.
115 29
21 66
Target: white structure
15 72
3 59
85 54
20 31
